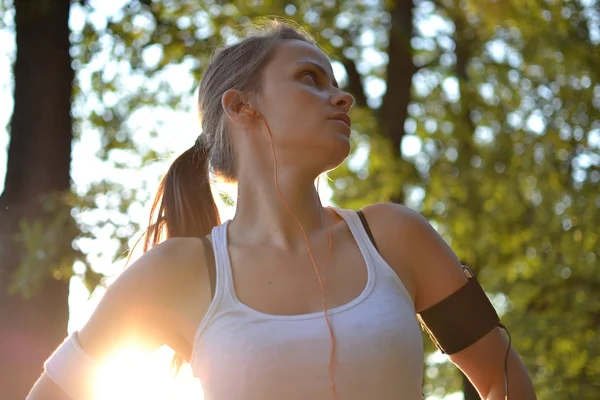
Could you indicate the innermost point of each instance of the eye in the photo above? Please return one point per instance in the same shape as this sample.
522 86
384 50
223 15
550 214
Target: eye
312 74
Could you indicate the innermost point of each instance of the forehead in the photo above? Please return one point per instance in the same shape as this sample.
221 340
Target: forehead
289 52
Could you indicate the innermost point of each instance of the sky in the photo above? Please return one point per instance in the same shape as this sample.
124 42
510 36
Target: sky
177 131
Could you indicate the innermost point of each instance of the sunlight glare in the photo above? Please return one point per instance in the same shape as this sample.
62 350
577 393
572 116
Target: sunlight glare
133 374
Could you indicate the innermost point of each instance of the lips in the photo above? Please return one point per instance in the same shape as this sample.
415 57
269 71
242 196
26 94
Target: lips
345 118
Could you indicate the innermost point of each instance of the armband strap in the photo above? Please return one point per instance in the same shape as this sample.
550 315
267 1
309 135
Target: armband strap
72 369
462 318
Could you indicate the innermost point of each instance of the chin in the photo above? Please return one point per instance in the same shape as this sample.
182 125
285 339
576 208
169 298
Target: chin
338 153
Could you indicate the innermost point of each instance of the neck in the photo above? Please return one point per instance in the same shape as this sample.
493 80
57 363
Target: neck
261 216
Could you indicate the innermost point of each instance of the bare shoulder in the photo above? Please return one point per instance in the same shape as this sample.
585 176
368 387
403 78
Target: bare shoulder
413 248
388 223
393 218
158 283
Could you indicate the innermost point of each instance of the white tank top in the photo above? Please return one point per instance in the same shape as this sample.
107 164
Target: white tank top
241 353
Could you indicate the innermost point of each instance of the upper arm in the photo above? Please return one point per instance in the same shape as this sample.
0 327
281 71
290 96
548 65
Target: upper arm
131 311
123 316
149 304
117 321
436 273
429 268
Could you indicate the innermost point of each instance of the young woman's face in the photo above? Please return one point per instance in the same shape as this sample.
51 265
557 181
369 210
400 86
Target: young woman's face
305 109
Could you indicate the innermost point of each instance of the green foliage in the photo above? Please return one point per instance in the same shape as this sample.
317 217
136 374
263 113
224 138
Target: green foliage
4 7
508 171
47 247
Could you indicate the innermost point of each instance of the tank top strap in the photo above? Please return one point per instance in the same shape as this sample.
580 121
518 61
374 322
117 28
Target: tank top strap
365 244
369 250
224 285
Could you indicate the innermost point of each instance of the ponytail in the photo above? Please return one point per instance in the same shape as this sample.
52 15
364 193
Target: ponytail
183 206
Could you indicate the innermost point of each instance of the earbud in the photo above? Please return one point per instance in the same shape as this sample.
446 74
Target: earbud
250 112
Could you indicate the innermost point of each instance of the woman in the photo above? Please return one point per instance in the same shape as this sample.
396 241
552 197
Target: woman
306 304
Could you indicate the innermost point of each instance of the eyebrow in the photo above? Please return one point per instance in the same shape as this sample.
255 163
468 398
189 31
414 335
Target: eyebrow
321 69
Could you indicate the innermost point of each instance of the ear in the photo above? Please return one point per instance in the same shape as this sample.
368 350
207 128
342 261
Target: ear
234 102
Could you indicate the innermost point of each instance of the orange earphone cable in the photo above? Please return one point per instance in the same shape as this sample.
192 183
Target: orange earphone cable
332 355
322 283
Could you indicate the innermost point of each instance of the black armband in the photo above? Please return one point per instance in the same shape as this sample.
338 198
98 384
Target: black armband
462 318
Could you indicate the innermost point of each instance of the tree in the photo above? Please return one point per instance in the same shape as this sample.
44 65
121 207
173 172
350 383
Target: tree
34 319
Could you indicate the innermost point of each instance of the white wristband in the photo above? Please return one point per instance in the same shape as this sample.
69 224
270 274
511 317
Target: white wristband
72 369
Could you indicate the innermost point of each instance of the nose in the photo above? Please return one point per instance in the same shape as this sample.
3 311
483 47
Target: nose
343 100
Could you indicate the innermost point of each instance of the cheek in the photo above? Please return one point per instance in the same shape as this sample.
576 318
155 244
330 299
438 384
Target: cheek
299 111
294 109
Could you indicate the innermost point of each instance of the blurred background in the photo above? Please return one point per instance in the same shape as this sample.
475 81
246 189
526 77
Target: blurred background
482 115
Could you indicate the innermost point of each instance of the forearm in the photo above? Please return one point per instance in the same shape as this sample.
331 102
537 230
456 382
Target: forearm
520 386
69 373
46 389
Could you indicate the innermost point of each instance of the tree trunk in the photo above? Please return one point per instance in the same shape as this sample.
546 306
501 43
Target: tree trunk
400 70
39 158
464 48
